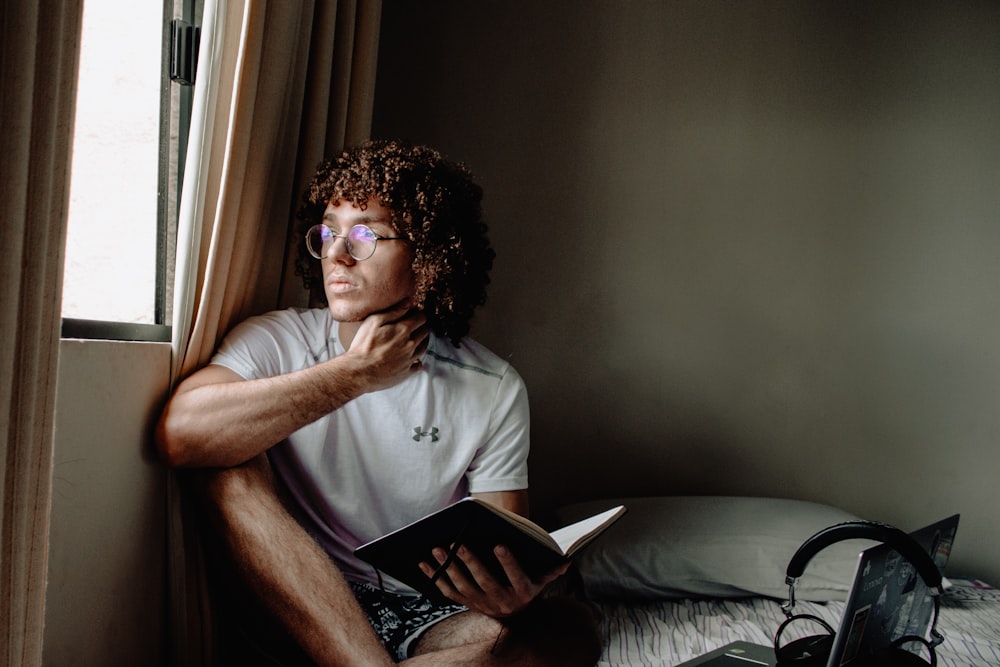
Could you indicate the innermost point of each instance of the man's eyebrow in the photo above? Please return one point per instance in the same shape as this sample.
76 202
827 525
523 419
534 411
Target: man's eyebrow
364 218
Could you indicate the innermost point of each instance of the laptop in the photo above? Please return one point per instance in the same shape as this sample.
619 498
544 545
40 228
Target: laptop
888 599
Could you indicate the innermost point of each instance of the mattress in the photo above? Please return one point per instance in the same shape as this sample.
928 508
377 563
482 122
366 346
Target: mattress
668 632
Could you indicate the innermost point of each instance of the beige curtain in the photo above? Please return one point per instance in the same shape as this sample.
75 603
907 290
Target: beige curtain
280 85
39 51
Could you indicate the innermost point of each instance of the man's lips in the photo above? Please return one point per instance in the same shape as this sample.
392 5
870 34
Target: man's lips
338 285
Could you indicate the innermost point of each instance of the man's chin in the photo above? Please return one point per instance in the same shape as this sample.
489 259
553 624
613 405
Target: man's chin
340 315
349 312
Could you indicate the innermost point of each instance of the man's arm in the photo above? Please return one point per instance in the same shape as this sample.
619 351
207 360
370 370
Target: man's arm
215 418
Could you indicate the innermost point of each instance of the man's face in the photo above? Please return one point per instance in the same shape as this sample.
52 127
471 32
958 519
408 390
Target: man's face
356 289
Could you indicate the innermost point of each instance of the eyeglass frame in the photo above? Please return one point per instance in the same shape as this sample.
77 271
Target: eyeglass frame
347 240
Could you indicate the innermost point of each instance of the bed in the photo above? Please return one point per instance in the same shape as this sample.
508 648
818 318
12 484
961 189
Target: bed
679 576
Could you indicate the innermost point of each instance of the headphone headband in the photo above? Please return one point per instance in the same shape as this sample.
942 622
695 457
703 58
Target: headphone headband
868 530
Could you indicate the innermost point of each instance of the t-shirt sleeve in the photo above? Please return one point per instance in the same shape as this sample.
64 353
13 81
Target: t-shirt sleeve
252 349
501 464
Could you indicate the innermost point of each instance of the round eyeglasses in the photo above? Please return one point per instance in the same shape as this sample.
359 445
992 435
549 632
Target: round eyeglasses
360 241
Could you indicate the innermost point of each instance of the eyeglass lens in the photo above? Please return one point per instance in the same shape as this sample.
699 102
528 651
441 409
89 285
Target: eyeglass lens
360 241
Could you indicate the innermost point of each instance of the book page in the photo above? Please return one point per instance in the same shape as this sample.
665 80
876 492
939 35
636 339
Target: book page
575 535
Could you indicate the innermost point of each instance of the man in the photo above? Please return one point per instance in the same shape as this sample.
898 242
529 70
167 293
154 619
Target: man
329 427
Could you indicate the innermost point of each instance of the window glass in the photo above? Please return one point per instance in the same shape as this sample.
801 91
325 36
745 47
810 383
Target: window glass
111 246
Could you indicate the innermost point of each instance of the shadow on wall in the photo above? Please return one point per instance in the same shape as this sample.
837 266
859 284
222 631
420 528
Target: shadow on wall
744 249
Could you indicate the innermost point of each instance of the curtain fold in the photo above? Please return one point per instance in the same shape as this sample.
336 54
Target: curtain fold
271 76
39 55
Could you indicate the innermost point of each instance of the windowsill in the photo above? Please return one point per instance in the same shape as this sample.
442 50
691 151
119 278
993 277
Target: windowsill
99 330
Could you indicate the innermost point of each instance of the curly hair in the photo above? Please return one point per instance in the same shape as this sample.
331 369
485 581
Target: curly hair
435 204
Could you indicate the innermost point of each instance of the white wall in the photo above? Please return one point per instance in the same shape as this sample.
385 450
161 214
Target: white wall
743 248
105 602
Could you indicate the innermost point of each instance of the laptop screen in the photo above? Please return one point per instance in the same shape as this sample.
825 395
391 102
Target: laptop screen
889 599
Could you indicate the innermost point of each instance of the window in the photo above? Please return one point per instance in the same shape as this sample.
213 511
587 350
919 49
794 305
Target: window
128 152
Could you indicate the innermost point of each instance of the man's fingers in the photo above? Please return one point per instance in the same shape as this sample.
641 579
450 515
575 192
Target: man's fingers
453 582
400 312
422 334
467 580
483 578
442 581
519 581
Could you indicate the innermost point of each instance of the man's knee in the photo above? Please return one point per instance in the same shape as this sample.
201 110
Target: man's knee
562 630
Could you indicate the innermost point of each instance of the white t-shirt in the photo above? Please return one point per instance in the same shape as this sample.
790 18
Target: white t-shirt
387 458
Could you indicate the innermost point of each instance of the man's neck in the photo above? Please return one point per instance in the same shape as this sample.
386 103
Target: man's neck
346 331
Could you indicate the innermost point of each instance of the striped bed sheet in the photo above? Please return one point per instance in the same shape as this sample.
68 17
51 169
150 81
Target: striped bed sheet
668 632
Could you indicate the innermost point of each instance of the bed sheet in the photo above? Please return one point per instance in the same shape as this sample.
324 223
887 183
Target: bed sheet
668 632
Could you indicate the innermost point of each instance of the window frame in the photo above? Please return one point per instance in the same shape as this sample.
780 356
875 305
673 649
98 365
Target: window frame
176 98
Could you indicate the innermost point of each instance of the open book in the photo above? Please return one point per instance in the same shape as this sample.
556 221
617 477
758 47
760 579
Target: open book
479 526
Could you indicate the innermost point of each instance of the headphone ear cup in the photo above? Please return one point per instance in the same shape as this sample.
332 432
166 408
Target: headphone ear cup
805 652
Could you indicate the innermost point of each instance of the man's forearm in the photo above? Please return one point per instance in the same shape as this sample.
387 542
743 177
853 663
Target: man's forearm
220 424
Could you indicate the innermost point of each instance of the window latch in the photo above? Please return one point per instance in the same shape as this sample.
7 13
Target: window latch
184 40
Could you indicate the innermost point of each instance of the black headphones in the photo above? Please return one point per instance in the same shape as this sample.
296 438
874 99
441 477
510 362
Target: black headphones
814 651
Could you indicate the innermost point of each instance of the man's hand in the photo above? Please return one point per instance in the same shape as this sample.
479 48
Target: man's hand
388 346
480 591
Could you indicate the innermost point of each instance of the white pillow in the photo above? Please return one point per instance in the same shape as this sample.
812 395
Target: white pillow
712 546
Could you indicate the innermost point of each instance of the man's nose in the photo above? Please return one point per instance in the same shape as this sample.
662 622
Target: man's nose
338 252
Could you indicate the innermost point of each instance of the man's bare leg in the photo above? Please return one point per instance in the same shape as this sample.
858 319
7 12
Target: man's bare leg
288 571
553 632
303 589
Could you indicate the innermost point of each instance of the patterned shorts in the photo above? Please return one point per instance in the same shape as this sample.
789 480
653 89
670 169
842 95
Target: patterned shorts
400 619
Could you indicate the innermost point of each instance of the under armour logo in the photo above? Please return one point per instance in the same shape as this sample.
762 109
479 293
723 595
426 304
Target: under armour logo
419 433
